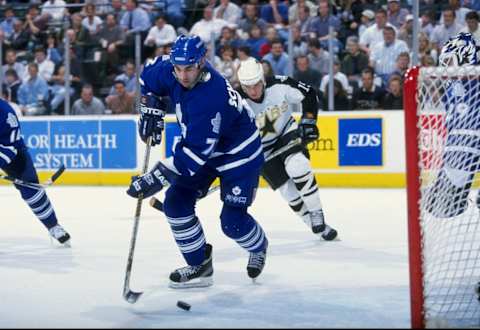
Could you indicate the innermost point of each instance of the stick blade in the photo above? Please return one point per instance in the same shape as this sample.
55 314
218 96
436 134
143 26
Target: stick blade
59 172
131 296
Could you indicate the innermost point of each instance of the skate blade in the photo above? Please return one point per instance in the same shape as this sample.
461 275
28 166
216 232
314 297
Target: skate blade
195 283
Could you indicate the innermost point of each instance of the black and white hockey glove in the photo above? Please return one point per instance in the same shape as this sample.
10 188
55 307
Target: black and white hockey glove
308 130
148 184
151 123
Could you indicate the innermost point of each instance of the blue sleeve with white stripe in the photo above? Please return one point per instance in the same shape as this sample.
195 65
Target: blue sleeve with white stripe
10 139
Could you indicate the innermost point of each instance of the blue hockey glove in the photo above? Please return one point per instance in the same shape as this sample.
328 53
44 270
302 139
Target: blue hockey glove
308 130
151 123
148 184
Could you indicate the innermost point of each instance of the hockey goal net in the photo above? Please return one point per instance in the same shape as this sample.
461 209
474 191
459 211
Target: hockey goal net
442 125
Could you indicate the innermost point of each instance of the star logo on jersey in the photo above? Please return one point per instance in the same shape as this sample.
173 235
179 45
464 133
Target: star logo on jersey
236 190
268 127
12 120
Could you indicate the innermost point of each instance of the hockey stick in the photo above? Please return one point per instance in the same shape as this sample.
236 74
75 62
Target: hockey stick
129 295
34 185
156 204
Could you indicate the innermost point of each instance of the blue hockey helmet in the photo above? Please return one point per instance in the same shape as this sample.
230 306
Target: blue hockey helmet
187 50
459 50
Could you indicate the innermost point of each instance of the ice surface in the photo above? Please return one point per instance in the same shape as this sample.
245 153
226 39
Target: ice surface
358 281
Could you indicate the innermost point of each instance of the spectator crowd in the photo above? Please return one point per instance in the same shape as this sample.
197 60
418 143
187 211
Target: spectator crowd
371 46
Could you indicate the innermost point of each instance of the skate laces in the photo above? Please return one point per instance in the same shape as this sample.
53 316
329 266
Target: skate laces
188 270
317 218
256 260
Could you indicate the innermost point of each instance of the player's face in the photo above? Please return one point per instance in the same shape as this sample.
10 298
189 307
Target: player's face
254 92
187 75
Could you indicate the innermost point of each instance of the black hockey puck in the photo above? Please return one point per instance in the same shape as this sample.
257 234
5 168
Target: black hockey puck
183 305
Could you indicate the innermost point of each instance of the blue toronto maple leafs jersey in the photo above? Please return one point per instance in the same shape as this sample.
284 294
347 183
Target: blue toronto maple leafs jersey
462 104
217 126
10 139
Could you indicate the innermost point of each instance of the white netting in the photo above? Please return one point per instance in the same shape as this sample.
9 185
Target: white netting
449 150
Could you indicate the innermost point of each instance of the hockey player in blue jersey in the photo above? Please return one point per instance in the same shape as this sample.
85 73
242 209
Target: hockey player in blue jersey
17 163
219 138
448 195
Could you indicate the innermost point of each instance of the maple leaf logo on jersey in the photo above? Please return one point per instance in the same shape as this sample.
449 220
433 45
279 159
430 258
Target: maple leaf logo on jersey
12 120
236 190
216 123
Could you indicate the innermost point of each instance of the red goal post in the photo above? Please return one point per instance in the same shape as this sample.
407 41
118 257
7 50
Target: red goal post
444 254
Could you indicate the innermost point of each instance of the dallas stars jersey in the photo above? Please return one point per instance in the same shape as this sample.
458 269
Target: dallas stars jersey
273 113
10 139
218 128
462 104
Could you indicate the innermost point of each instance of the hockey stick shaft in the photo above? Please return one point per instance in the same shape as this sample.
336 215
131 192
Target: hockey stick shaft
156 204
129 295
34 185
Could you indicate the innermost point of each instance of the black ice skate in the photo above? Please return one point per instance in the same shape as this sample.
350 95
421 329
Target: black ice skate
60 235
256 262
318 221
329 234
194 276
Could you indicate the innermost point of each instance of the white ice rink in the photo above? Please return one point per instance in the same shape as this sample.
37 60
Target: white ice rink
358 281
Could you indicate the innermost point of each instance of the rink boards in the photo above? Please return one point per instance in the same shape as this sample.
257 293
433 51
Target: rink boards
355 149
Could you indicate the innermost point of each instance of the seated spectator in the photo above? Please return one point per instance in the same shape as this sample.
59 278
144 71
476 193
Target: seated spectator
338 75
122 102
397 15
270 35
472 25
128 77
366 20
228 65
55 10
208 27
442 32
110 37
58 90
20 36
161 33
227 37
91 21
33 93
402 65
278 58
369 96
173 11
117 9
355 60
319 25
405 32
135 19
294 9
275 12
318 57
374 34
88 104
394 98
12 63
299 46
383 55
256 41
251 18
228 11
11 85
36 23
341 102
425 47
303 72
53 53
45 66
9 19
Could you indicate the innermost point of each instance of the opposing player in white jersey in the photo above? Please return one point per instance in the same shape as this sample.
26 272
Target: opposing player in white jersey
290 172
448 195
